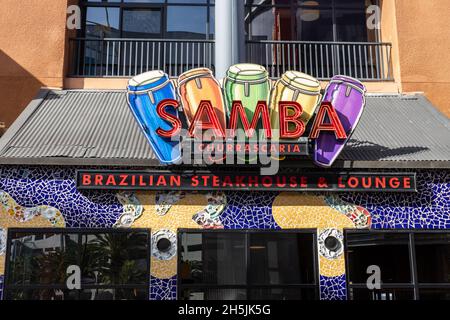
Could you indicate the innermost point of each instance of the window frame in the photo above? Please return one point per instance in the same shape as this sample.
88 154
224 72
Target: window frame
61 231
249 287
294 6
415 285
163 6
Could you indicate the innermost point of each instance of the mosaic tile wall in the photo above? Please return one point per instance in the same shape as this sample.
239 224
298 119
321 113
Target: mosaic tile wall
1 287
47 197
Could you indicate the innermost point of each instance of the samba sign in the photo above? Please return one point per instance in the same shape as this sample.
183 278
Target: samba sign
247 107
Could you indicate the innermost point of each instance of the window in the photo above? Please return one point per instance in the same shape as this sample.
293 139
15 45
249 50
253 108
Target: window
149 19
413 265
254 265
114 265
318 20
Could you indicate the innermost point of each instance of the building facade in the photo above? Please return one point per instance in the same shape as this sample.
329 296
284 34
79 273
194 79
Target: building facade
256 242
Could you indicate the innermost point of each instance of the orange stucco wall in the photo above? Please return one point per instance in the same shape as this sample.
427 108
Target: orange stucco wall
424 48
32 35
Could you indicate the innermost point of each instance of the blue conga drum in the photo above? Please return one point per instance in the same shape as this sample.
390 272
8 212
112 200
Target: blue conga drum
145 92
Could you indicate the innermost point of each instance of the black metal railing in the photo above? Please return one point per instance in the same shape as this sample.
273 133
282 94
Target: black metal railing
366 61
128 57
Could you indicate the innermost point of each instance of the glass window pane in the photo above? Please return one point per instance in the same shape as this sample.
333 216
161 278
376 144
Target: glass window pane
115 258
312 3
281 258
102 22
269 23
188 1
142 23
381 295
87 294
213 258
434 294
213 294
145 1
433 257
41 259
351 25
283 294
388 251
313 24
178 27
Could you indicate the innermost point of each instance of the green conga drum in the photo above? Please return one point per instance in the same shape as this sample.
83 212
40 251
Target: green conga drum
248 83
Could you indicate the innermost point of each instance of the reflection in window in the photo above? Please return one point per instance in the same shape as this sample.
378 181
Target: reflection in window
391 252
114 265
142 23
178 27
324 20
433 257
247 265
163 20
102 22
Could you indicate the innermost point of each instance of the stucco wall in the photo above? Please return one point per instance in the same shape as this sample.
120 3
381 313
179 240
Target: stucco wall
32 35
424 45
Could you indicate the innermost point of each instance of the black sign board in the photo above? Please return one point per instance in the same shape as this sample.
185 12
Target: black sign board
207 181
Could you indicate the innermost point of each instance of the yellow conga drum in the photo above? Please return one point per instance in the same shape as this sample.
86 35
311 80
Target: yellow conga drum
199 84
298 87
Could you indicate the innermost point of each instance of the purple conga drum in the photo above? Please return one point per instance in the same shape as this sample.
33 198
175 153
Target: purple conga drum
348 97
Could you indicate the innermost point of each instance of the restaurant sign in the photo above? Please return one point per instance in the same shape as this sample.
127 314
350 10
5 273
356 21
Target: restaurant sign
247 113
245 181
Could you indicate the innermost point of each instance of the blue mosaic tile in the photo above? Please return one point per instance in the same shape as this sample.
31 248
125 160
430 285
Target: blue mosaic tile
249 210
56 187
163 289
1 287
429 208
333 288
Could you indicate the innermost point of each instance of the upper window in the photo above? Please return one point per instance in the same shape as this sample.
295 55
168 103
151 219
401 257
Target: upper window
411 265
318 20
114 265
149 19
247 265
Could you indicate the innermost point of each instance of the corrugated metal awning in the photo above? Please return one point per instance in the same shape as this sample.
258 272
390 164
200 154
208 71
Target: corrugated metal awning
82 127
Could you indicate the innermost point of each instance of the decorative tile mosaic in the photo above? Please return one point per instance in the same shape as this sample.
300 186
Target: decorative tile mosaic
163 289
209 218
164 235
1 287
23 215
2 241
55 187
429 208
132 210
249 210
337 238
333 288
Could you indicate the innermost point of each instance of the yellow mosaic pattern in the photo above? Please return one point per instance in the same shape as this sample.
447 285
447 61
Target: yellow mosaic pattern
308 211
179 216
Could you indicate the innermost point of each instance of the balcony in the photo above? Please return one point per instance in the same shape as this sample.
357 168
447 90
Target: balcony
367 61
128 57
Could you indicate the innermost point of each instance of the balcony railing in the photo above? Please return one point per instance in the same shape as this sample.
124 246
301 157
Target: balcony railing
366 61
128 57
